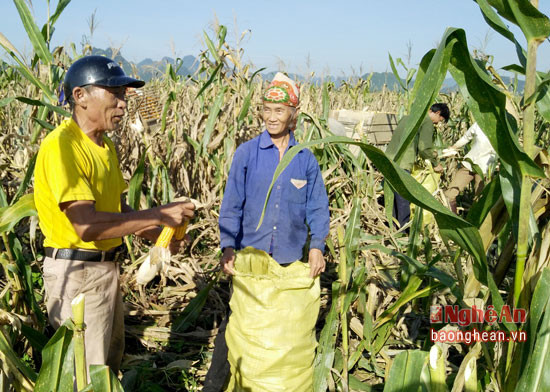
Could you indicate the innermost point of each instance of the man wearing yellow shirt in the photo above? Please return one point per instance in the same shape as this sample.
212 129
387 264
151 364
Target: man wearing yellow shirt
78 195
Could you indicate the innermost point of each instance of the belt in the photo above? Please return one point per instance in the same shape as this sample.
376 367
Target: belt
84 255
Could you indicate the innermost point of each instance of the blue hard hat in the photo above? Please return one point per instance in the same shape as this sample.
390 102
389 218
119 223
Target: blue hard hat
97 71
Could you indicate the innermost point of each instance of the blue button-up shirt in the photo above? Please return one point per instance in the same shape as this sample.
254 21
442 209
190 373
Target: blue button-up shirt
298 200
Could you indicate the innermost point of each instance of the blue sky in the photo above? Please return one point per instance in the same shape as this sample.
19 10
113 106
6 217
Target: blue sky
328 37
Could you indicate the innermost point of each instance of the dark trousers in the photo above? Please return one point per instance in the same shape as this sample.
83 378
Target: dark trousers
219 367
401 209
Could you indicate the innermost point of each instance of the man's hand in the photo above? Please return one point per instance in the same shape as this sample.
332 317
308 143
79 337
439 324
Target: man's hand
175 214
228 261
316 262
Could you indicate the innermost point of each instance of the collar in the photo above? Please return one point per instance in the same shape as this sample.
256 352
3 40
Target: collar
266 142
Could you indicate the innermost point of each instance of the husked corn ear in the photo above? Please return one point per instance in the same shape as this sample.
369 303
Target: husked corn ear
165 237
180 231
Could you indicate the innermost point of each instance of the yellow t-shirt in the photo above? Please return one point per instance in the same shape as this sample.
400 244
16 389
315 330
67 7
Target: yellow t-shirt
70 166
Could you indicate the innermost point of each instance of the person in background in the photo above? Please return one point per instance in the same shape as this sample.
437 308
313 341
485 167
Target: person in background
78 194
481 154
296 214
421 148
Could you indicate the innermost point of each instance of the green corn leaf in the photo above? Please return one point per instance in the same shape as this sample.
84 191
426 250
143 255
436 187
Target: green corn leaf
43 112
410 75
358 280
210 80
396 73
6 101
535 376
498 25
24 70
353 231
167 190
171 98
34 34
409 293
510 187
193 143
245 107
423 270
389 199
42 123
36 102
534 24
211 121
104 380
540 92
170 71
58 10
221 36
382 335
356 385
254 75
56 373
514 68
3 198
326 350
134 189
37 339
211 47
10 216
193 309
489 197
405 372
25 273
422 69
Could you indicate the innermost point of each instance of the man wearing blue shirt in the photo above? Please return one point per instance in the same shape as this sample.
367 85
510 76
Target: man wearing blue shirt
297 209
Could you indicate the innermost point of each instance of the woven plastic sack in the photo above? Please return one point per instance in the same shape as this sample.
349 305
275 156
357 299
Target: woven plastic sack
429 180
271 331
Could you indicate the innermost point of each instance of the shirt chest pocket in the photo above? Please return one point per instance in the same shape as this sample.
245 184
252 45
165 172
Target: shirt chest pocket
297 190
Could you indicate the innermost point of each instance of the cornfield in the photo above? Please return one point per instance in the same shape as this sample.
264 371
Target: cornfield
374 330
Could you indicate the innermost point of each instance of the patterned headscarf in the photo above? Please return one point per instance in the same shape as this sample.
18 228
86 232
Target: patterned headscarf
283 90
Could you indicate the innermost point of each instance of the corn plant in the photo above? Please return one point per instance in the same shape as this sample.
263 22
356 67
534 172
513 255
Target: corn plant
487 104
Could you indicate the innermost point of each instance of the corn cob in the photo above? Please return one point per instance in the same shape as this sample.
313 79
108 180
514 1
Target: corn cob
159 254
167 233
165 237
180 231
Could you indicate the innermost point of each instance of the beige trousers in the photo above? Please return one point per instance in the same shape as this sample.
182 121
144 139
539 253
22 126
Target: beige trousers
103 307
461 180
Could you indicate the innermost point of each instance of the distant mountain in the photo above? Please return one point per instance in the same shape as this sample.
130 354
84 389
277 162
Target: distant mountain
449 85
148 69
126 66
